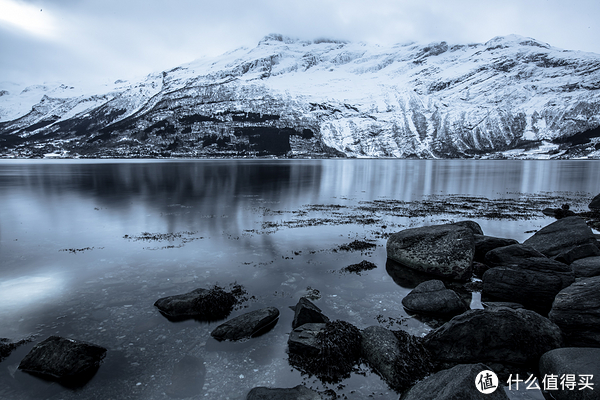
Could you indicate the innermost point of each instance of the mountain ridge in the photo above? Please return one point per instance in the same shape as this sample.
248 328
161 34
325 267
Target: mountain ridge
511 97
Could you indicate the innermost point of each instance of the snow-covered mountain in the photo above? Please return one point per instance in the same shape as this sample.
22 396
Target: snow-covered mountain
510 97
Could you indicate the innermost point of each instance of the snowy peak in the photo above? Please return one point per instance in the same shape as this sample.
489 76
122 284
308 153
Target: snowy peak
406 100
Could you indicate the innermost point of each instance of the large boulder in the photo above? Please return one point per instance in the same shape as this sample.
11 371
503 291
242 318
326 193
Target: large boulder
578 252
533 282
299 392
561 236
306 312
68 361
442 250
401 359
432 298
247 325
586 267
581 362
454 383
501 335
484 244
576 310
202 304
511 254
595 203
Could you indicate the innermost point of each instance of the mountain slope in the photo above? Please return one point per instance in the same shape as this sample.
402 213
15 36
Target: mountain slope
512 96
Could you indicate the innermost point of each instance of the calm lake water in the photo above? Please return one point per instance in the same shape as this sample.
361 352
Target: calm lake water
75 259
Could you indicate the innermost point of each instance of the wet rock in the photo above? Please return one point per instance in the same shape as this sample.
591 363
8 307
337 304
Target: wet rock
401 359
432 298
579 361
500 335
296 393
188 377
559 213
595 204
484 244
576 310
586 267
201 304
524 283
70 362
442 250
332 353
251 324
303 339
525 276
514 253
561 236
306 312
576 253
496 304
454 383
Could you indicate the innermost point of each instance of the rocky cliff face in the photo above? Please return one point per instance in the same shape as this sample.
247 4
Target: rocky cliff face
509 97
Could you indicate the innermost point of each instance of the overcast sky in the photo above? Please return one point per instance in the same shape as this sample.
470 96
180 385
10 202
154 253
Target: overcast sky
105 40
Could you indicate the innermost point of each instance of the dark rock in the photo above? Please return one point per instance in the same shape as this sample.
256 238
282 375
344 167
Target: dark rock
503 256
576 310
364 265
454 383
559 213
247 325
576 253
306 312
202 304
483 244
595 204
586 267
70 362
188 377
533 282
573 360
432 298
401 359
502 335
472 225
496 304
303 339
479 268
523 275
338 344
561 236
296 393
441 250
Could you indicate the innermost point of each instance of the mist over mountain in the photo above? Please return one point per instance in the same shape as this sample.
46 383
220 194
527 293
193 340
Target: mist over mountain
511 97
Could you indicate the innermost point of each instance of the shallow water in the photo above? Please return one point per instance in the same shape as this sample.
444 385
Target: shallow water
75 260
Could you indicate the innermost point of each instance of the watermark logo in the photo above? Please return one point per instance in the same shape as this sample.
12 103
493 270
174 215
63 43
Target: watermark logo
486 382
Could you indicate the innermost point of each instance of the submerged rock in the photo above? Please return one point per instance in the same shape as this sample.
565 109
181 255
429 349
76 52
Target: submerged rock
188 377
454 383
328 351
70 362
576 310
247 325
202 304
500 335
306 312
577 361
401 359
299 392
561 236
443 250
432 298
7 346
362 266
